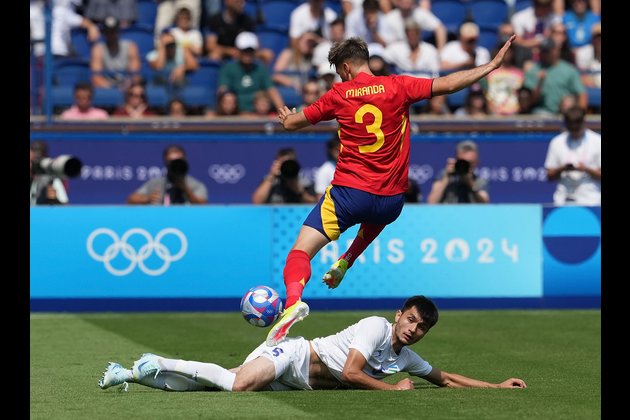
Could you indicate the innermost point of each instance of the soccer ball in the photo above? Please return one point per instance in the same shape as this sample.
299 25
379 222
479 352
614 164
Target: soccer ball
261 306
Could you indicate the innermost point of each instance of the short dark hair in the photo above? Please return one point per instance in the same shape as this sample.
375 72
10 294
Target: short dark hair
331 145
574 114
425 306
352 49
83 86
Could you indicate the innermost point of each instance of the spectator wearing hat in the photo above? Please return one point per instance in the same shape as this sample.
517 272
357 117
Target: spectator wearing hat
393 28
552 79
223 28
310 93
114 62
464 52
245 76
589 59
327 77
414 56
125 11
458 183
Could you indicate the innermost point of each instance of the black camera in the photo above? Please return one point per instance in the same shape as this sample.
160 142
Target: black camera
289 169
63 166
462 167
176 169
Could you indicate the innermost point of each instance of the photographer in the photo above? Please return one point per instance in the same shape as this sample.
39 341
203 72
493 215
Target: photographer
177 187
47 186
282 184
457 183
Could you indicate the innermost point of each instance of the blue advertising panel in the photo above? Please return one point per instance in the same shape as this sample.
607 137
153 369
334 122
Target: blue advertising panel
148 252
221 251
440 251
231 166
572 251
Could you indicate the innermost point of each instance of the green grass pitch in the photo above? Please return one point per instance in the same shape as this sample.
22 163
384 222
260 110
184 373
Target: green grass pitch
556 352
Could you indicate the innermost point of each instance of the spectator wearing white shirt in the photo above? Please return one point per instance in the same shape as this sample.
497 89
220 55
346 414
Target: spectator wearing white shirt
414 56
311 16
464 52
393 23
574 160
326 172
365 23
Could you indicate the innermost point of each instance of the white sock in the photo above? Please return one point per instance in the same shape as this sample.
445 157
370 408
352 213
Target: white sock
207 374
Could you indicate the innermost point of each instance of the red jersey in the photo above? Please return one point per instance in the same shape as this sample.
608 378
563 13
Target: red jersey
373 117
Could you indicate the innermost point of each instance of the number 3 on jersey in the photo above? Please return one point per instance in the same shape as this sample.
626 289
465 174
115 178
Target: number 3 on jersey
374 128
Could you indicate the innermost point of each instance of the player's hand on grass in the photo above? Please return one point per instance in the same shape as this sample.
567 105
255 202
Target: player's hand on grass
404 385
513 383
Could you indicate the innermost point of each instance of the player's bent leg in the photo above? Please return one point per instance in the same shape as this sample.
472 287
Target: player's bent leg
255 375
207 374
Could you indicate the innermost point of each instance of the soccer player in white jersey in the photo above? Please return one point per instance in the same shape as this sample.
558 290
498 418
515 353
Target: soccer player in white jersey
358 357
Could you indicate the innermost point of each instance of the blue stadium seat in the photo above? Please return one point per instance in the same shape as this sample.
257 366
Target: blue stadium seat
251 8
206 75
143 37
522 4
594 97
62 96
276 13
452 13
489 13
457 99
336 6
69 71
157 96
274 39
488 38
81 47
194 96
290 96
147 12
107 98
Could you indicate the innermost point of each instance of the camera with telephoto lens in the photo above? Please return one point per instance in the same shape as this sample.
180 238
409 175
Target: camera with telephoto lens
63 166
289 169
176 170
462 167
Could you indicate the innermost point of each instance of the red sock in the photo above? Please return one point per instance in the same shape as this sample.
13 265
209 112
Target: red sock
367 233
297 272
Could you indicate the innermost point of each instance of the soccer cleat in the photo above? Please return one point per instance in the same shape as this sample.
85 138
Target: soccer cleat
114 375
335 274
297 312
147 365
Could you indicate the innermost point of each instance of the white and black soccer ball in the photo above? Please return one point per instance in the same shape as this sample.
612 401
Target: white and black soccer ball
261 306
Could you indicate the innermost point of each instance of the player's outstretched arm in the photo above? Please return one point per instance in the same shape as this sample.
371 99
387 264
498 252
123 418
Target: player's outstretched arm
354 375
292 120
454 380
464 78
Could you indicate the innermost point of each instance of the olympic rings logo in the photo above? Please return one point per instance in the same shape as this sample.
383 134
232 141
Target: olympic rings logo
420 173
226 174
137 258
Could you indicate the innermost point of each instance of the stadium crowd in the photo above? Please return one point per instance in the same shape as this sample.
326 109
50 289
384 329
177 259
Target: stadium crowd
264 53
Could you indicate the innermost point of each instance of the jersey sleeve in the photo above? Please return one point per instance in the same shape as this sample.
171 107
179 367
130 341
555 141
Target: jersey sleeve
371 333
416 88
417 366
322 109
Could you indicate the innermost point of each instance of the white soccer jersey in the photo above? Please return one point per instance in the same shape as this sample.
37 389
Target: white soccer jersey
372 337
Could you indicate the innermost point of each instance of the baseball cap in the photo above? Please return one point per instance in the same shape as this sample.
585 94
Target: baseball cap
111 23
246 41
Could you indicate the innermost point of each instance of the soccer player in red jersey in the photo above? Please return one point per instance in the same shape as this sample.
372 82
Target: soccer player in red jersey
371 173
